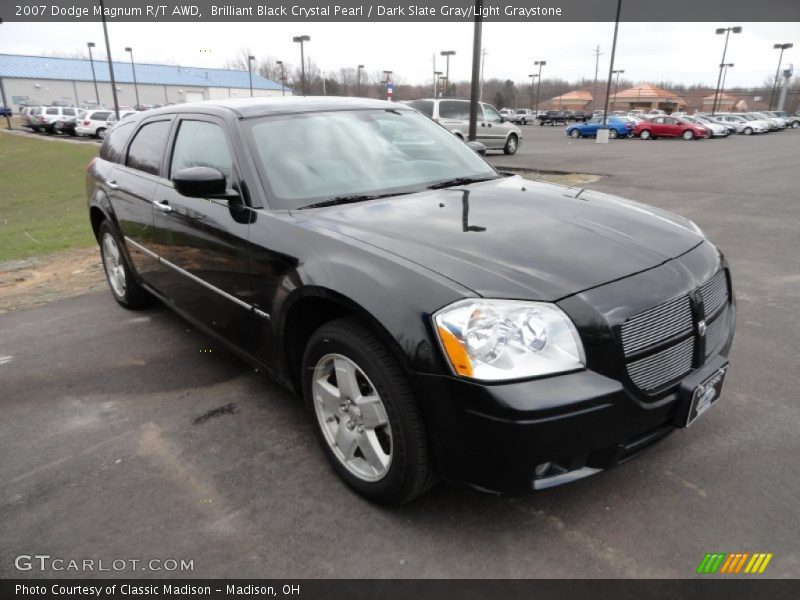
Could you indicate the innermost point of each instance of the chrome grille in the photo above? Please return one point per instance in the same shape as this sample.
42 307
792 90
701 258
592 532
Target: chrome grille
665 366
714 293
657 324
715 331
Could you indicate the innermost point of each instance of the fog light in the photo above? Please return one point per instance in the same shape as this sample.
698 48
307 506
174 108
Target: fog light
542 469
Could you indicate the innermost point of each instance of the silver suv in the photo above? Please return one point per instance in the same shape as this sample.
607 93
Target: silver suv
494 131
50 115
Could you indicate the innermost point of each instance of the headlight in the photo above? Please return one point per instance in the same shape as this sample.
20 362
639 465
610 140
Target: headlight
495 340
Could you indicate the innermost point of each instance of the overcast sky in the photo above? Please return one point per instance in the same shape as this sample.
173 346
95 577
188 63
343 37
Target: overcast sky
679 52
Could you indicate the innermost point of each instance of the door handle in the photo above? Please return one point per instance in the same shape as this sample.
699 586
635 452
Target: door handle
163 206
113 185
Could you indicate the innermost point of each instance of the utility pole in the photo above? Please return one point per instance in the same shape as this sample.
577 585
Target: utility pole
435 76
110 63
484 52
597 55
476 68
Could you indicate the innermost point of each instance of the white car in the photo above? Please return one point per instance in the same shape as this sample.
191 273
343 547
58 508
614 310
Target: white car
716 129
93 123
112 119
744 125
780 121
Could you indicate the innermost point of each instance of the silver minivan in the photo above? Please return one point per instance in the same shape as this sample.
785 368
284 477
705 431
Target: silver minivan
494 131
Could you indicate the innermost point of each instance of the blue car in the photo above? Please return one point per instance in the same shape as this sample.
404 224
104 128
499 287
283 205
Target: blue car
618 127
5 111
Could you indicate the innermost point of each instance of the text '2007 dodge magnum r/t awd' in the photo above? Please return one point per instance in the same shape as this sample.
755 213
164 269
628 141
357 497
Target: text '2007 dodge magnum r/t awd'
441 319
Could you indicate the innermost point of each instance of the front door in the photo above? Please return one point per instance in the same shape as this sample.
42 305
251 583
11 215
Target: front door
203 242
492 127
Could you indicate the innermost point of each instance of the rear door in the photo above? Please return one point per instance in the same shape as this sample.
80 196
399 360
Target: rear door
132 184
203 241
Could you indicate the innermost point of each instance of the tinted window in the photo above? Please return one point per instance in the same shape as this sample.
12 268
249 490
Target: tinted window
100 116
70 112
201 144
453 109
147 147
115 141
52 111
423 106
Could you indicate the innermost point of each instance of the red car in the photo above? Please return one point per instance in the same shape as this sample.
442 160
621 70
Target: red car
670 127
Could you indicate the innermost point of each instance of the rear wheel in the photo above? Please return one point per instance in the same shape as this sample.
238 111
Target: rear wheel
613 134
100 133
511 144
645 134
365 413
688 134
124 287
575 133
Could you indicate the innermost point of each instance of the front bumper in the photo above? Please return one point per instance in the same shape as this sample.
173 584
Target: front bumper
492 437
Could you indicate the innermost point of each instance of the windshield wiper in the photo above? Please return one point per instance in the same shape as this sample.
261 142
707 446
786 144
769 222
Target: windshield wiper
350 199
459 181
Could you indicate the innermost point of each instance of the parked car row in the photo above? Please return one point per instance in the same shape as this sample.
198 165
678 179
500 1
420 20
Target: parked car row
72 121
697 126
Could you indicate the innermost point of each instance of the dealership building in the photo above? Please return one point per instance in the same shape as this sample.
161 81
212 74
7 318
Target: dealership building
42 80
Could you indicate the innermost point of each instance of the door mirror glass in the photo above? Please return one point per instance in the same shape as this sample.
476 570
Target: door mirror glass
477 147
200 182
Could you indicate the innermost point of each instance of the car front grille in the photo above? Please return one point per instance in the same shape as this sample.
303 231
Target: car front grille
660 344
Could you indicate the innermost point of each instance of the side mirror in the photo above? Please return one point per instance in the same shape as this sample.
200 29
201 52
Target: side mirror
477 147
201 182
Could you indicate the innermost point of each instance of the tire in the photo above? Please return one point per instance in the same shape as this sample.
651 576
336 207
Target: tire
795 124
524 122
688 135
748 131
100 134
575 134
613 134
119 275
512 143
645 134
388 463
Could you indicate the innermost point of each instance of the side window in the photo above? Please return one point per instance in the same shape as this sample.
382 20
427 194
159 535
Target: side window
452 109
101 116
111 149
201 144
147 148
69 112
492 116
423 106
52 111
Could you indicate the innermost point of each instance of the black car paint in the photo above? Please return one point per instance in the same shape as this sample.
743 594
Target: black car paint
393 262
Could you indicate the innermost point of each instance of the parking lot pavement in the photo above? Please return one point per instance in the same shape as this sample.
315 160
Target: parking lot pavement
130 435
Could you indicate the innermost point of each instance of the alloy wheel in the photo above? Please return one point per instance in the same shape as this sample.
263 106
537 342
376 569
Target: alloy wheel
352 417
115 269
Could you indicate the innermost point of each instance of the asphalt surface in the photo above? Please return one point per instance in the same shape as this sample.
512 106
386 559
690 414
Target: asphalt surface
132 436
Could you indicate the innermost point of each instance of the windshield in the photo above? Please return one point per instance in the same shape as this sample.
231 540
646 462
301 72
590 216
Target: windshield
309 158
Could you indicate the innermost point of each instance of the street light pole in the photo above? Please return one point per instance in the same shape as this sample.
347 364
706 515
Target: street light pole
780 47
301 39
533 77
358 80
447 54
484 52
283 77
724 76
611 69
597 55
110 61
727 32
540 64
616 85
90 45
387 79
476 71
437 75
135 85
250 60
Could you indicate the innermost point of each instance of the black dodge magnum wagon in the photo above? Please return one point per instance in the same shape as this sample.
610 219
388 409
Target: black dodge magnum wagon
440 318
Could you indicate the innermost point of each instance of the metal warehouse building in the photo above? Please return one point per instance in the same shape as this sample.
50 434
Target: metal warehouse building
44 80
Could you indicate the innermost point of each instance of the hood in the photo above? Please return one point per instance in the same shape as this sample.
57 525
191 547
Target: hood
514 238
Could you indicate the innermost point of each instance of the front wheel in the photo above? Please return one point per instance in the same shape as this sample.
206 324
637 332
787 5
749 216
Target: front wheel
124 287
688 134
575 133
365 413
645 134
511 144
748 131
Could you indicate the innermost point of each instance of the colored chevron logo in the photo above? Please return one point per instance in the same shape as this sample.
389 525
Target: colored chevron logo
734 563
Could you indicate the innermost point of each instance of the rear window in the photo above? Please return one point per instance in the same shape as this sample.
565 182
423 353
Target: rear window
100 116
111 149
454 109
147 148
423 106
69 112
